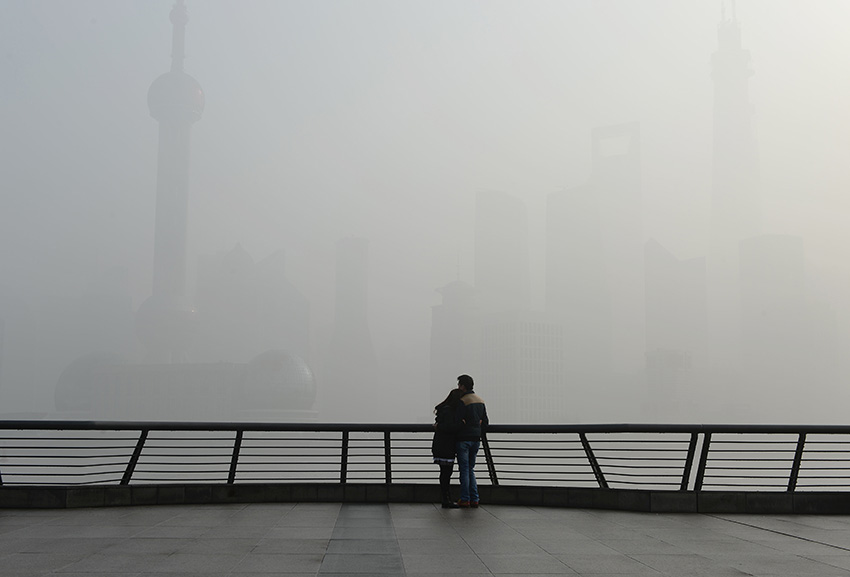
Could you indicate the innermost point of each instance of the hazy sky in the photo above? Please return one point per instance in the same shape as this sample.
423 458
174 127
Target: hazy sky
383 118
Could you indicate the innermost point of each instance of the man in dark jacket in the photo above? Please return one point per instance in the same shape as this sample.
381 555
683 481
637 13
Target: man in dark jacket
472 413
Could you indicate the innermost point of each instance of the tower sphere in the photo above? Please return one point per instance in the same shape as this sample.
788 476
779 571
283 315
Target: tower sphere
176 97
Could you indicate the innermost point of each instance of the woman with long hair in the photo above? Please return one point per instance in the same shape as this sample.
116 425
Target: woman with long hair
446 426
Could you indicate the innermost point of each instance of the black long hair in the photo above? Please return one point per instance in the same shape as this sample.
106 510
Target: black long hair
451 400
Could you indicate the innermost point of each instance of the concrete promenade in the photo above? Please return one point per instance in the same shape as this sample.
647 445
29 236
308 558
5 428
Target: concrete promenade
326 539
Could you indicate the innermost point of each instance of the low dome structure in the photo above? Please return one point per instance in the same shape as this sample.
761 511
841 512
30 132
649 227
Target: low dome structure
278 380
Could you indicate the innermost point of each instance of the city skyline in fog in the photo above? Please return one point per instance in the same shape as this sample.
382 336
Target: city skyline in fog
384 121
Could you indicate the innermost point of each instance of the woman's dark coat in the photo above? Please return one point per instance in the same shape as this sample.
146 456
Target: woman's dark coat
443 445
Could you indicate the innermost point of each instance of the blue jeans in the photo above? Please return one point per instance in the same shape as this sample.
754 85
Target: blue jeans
466 453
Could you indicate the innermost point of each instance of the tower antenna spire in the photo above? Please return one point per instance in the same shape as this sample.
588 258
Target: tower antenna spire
179 19
733 11
165 321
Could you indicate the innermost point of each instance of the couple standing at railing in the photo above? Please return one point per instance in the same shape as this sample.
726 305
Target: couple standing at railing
459 423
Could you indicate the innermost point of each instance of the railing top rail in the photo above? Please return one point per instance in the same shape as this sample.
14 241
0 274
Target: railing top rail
45 424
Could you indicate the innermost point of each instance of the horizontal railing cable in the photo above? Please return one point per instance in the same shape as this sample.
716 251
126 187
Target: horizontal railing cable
689 457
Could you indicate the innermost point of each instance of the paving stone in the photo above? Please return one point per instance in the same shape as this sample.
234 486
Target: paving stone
363 533
372 564
194 562
363 546
283 546
434 546
414 539
617 564
448 563
525 563
287 563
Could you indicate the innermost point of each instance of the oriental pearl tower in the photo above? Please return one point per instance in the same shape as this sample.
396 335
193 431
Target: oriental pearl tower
166 321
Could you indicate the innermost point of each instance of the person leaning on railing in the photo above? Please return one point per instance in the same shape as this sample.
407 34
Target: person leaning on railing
444 444
472 412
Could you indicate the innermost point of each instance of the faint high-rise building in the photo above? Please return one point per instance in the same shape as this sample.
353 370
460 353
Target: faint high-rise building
675 329
616 177
773 306
578 290
594 260
165 322
735 202
502 267
789 339
352 366
675 300
247 307
735 205
524 369
455 338
287 309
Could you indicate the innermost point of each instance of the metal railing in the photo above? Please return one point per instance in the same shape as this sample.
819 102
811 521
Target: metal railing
651 457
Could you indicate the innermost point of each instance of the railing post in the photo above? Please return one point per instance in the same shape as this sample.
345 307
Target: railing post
343 463
594 464
689 462
488 456
387 458
134 458
234 459
703 461
798 459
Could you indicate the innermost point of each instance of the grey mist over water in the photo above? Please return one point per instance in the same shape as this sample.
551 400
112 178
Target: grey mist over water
603 211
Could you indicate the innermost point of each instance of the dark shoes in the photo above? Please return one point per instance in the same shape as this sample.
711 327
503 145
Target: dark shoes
463 504
473 504
447 501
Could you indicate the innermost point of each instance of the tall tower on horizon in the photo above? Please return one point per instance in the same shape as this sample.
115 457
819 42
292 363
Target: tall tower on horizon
735 210
165 321
735 205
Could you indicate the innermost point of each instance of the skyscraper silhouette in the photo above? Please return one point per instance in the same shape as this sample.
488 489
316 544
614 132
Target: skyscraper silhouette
617 179
675 330
594 260
165 321
352 364
455 338
735 211
735 203
578 288
248 307
502 267
776 327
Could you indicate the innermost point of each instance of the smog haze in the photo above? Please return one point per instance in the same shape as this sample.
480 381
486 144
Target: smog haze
603 211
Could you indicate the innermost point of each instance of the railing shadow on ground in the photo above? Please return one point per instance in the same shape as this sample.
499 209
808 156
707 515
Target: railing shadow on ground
728 468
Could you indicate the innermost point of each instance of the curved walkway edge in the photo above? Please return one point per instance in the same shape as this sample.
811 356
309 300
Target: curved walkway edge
773 502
